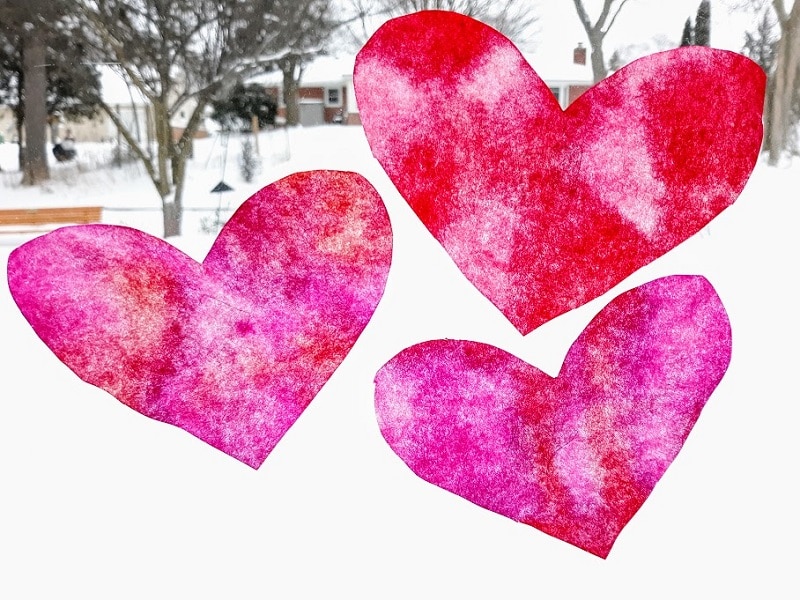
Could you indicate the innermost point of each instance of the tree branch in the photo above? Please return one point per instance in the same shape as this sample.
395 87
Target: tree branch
780 10
601 20
614 16
134 145
583 16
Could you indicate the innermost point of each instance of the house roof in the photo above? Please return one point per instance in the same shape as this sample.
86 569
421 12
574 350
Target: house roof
329 69
320 71
557 68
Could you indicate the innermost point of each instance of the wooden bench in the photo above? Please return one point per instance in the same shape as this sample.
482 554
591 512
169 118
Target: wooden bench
31 220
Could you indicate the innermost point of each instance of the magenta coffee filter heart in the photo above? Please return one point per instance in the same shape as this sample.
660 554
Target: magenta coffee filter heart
232 349
574 456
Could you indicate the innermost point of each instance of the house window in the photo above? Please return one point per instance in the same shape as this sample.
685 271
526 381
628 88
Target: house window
557 93
333 97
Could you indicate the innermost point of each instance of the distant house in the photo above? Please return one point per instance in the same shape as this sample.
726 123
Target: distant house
566 79
324 94
134 111
126 101
327 94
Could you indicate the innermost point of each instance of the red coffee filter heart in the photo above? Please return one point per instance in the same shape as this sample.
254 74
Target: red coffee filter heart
544 209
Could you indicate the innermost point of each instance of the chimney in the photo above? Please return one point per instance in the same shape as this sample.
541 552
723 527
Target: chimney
579 55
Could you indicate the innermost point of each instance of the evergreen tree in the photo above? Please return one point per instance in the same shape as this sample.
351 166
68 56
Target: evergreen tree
25 25
761 45
687 39
235 112
702 24
249 163
43 75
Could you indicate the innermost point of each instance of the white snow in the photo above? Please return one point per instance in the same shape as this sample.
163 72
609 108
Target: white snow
99 502
322 70
557 68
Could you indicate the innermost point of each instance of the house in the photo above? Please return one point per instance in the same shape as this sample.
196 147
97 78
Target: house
324 94
327 94
133 109
125 100
566 79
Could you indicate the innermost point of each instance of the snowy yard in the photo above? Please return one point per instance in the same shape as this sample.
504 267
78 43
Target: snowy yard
130 198
100 501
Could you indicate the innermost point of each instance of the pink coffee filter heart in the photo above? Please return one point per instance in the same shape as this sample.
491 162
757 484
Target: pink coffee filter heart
231 350
577 455
543 209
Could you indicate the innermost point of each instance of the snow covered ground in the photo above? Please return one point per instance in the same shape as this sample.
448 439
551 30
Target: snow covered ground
97 501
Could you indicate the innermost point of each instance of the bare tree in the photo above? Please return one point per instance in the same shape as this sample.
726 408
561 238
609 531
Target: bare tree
597 31
179 55
357 28
34 56
787 75
627 53
760 45
783 69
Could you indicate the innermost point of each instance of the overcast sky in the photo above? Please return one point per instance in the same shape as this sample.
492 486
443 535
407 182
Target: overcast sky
639 21
558 28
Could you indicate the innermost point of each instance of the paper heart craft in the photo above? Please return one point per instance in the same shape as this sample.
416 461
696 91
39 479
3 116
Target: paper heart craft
231 350
574 456
545 209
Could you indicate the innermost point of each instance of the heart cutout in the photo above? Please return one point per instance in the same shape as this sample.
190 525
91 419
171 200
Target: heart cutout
231 350
542 209
577 455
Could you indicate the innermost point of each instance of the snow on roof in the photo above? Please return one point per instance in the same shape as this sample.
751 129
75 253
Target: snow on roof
559 68
330 69
320 71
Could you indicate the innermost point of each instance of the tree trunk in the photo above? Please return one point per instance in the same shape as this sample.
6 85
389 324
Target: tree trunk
291 89
769 99
173 216
163 180
34 168
599 70
787 64
20 122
